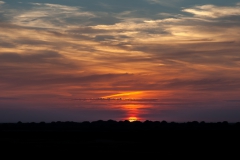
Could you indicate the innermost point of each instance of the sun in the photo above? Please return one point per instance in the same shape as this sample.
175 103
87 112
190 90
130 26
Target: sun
132 119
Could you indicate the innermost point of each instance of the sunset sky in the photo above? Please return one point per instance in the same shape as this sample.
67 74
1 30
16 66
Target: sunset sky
185 53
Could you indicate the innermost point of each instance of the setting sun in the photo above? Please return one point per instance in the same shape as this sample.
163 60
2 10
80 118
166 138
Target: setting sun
132 119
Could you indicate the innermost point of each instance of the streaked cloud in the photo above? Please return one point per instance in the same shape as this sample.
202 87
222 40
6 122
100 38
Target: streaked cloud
169 3
47 15
91 49
212 11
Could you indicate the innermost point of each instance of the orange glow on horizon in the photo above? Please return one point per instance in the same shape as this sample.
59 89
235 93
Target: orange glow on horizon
132 119
134 112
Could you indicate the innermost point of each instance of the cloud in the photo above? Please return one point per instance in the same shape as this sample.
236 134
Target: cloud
2 2
233 101
41 56
8 98
45 15
51 49
209 84
212 11
169 3
41 79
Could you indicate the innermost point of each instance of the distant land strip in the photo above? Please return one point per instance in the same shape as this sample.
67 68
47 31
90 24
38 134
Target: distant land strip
114 99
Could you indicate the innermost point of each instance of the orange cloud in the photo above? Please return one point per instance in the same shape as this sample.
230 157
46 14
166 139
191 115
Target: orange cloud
127 94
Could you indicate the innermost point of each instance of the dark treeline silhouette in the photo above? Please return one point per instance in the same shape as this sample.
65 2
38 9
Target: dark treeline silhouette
114 136
112 125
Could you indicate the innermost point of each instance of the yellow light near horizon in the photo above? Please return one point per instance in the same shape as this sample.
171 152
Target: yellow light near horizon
132 119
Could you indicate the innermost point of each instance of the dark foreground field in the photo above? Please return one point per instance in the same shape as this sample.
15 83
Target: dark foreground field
112 136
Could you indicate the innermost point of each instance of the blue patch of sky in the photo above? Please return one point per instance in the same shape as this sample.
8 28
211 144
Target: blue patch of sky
137 8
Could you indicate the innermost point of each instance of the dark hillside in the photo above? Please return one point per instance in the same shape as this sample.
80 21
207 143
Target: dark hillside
105 136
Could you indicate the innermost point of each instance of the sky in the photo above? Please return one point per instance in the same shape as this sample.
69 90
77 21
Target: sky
58 57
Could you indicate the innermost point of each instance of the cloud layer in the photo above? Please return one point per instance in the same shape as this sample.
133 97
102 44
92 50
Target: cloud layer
62 50
213 11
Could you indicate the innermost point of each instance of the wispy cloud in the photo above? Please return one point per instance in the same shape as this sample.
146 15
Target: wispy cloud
169 3
47 15
85 49
212 11
74 50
